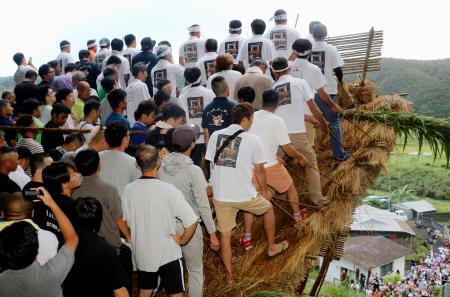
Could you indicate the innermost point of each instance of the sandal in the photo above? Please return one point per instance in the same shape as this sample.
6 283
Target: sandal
281 247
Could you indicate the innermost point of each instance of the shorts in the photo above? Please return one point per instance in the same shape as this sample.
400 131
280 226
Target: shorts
277 177
171 275
226 212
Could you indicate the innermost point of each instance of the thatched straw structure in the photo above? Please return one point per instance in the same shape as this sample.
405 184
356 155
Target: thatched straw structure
370 145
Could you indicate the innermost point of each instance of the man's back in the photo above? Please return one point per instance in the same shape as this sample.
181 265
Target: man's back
257 80
137 92
149 59
192 50
255 48
164 70
231 45
25 90
63 59
19 75
100 56
91 70
327 58
282 37
217 114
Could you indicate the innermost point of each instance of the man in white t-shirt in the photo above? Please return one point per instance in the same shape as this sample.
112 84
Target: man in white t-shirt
137 90
233 42
117 167
22 67
302 68
234 154
64 57
310 30
207 63
131 50
151 209
256 47
124 71
166 70
282 35
224 68
104 52
192 49
194 100
294 92
328 59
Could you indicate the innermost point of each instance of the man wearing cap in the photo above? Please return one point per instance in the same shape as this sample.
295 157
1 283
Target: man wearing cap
124 70
92 48
207 63
256 47
192 49
329 60
179 170
294 92
64 57
282 35
166 70
302 68
147 57
233 42
104 52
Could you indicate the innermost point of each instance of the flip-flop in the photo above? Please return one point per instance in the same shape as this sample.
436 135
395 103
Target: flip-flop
282 246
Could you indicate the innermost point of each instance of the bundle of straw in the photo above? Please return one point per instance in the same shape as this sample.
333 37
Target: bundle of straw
363 92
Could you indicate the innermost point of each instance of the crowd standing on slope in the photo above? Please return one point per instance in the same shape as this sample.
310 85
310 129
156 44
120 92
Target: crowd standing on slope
82 212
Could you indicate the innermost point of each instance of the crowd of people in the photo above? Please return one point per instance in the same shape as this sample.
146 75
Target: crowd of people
126 162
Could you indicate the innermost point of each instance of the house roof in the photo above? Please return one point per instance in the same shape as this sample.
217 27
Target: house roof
418 206
373 251
372 219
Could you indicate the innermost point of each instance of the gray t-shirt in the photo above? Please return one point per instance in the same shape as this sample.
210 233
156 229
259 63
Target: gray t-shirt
93 186
36 280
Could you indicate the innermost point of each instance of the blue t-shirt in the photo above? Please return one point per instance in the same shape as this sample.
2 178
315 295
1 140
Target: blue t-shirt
137 139
217 114
115 117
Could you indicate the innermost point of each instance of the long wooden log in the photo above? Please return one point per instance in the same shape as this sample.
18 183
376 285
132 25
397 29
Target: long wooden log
60 130
322 273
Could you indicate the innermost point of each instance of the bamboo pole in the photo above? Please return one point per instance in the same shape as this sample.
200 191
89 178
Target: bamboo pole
60 130
366 63
322 273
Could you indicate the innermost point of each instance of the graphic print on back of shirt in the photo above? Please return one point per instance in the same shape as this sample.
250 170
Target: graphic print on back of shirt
229 154
279 39
128 57
159 75
195 107
284 91
99 60
232 48
209 67
190 53
318 59
254 51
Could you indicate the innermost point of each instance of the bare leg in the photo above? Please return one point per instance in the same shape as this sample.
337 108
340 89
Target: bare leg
177 295
293 198
225 254
269 228
145 293
248 222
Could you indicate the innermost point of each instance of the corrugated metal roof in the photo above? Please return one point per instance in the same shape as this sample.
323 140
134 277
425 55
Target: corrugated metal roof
369 218
418 206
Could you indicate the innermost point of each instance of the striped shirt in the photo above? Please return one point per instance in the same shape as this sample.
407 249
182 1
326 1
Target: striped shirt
30 144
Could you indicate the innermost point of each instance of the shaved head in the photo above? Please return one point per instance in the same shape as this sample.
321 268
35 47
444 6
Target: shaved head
16 207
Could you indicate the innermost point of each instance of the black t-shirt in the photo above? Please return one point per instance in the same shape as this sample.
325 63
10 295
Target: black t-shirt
97 270
32 185
51 140
149 59
56 153
159 140
7 185
91 70
217 114
25 90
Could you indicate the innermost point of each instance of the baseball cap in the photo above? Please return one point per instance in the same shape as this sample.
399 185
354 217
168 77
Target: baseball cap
147 42
185 134
104 41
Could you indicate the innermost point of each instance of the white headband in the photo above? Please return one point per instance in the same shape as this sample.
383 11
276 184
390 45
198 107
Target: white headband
199 79
167 51
193 29
280 17
235 29
281 70
303 54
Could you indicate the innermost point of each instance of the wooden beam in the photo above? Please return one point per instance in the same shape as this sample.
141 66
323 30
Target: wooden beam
322 272
301 287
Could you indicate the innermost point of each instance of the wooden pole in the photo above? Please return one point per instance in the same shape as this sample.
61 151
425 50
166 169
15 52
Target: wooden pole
301 287
296 21
366 63
60 130
322 272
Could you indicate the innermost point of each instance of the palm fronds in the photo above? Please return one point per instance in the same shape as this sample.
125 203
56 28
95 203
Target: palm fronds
436 132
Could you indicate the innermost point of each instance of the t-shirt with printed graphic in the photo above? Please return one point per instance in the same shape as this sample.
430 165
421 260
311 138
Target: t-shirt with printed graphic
255 48
231 45
327 58
100 56
129 54
311 73
231 176
194 100
192 50
207 65
231 77
91 70
282 37
63 59
217 114
294 93
165 70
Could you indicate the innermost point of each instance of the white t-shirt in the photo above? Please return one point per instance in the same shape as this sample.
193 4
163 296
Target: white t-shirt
151 209
327 58
19 177
46 113
256 47
129 54
100 56
118 168
123 70
207 65
231 45
166 70
294 93
303 69
19 75
48 246
231 77
282 37
273 133
194 100
231 176
83 125
137 91
63 59
192 50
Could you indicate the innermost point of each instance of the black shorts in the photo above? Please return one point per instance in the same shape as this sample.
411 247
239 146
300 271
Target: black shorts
171 275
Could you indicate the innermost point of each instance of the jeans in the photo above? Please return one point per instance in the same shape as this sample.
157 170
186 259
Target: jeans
333 118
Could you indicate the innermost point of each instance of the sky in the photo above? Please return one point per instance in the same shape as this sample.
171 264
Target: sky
35 27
